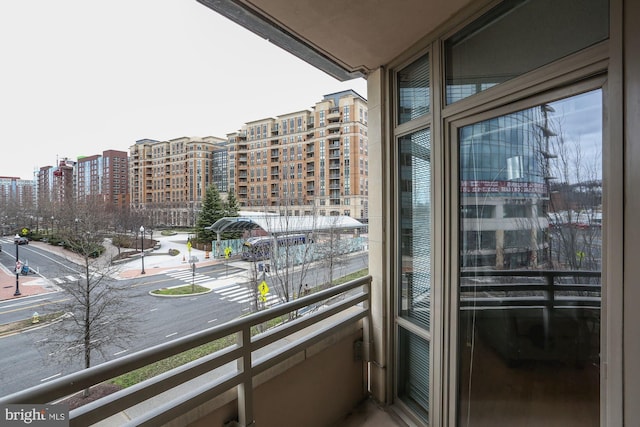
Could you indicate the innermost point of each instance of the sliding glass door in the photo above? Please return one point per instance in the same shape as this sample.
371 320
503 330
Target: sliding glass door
529 270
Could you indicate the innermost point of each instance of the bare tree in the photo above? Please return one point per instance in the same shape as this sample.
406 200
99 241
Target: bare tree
575 202
96 316
331 250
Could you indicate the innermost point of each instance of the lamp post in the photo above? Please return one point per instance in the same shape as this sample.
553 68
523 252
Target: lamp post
17 292
77 226
142 246
52 229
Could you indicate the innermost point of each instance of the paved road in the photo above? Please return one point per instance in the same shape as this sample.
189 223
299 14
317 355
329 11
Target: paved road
26 358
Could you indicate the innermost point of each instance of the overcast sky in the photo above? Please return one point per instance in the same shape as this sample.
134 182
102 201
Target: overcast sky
82 76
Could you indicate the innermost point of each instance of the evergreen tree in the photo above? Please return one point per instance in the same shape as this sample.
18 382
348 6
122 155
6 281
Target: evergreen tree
212 210
231 206
231 209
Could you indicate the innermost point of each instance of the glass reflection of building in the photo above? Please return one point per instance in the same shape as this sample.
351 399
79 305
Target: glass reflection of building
504 191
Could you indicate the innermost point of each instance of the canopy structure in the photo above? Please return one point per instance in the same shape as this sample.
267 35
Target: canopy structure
276 225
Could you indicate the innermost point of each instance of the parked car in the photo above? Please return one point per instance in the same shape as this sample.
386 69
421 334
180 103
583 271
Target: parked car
21 240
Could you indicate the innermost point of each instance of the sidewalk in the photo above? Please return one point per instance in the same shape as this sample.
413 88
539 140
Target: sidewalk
156 261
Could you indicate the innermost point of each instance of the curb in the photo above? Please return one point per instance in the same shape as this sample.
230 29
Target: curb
179 296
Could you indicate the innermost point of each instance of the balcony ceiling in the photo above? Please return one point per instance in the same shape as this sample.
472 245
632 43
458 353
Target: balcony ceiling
346 39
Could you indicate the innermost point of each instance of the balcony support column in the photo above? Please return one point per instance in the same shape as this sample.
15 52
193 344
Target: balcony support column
245 390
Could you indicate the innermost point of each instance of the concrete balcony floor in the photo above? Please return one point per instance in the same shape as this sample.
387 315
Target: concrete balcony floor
370 414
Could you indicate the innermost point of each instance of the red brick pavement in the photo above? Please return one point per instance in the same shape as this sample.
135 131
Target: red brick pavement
27 285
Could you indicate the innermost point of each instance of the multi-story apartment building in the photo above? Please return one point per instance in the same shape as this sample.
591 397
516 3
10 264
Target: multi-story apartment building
56 184
104 178
220 168
168 179
305 162
17 201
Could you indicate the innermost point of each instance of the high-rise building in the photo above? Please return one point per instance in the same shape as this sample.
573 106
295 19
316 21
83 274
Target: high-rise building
305 162
56 184
17 201
103 178
168 179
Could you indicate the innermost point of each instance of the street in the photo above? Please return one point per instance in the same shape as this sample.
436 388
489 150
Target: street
157 320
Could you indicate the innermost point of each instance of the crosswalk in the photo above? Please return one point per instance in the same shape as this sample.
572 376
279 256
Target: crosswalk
241 294
187 276
235 292
66 279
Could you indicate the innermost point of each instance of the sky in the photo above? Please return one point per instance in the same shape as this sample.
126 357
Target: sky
82 76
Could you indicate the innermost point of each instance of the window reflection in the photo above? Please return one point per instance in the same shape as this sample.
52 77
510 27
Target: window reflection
509 41
529 317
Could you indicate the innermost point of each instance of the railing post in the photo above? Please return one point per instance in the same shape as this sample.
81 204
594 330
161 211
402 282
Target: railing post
547 311
366 330
245 389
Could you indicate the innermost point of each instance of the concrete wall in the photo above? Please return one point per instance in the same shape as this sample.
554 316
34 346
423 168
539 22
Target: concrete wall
315 388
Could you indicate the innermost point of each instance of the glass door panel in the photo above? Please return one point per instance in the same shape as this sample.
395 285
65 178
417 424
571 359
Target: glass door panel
414 299
530 266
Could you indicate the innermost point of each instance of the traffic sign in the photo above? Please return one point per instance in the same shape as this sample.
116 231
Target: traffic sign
263 288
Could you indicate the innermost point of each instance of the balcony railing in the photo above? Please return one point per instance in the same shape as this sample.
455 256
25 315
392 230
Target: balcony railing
350 305
530 288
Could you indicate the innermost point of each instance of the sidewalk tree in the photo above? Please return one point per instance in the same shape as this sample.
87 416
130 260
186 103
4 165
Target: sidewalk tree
288 264
96 314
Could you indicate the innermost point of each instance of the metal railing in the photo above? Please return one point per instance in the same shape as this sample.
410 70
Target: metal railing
349 304
530 288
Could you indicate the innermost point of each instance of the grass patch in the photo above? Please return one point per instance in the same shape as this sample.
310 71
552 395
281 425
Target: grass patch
26 323
162 366
182 290
349 277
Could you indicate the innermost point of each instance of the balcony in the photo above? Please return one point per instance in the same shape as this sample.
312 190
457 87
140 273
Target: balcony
277 377
333 114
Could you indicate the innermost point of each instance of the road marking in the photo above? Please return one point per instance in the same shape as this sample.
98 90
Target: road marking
211 321
35 305
234 293
51 377
23 303
154 309
170 335
72 278
120 352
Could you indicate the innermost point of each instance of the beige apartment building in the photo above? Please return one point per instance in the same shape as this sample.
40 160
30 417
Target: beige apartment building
168 179
305 162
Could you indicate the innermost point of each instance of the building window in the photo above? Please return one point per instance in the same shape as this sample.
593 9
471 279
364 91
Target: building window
511 32
414 93
414 302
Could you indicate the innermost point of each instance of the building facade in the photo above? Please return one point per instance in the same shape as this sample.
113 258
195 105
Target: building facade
471 324
17 202
310 162
104 178
168 179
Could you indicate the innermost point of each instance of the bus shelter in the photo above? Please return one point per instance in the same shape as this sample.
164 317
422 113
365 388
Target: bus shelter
275 225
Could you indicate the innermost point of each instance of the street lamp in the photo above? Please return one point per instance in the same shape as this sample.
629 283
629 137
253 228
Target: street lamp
142 246
77 226
17 292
